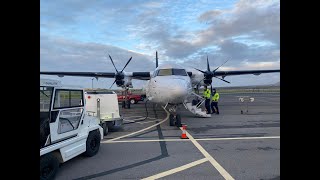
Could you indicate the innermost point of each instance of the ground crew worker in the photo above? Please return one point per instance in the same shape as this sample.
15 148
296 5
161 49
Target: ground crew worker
207 95
214 103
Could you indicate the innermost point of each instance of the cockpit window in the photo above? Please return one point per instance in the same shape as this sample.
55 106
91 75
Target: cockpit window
165 72
169 72
179 72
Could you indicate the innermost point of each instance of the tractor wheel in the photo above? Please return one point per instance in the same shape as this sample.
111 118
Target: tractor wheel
93 143
49 166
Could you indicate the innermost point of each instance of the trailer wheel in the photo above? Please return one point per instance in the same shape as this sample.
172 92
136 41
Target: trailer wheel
105 129
171 118
93 143
49 166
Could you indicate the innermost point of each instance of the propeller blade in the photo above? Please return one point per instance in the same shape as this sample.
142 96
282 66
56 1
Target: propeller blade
199 70
222 79
220 66
126 65
208 66
156 59
113 63
211 89
112 84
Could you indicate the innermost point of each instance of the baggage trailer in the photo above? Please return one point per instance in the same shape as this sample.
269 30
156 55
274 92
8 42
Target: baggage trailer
65 129
104 106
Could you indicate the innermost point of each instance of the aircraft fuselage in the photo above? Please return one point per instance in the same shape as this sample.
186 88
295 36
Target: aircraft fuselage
170 89
169 85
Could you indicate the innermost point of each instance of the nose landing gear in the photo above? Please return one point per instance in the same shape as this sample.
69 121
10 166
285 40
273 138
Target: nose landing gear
175 119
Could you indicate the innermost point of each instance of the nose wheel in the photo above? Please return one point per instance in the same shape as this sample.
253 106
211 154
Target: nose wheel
175 120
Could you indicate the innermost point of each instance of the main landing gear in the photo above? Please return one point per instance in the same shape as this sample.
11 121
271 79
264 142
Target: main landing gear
175 119
126 101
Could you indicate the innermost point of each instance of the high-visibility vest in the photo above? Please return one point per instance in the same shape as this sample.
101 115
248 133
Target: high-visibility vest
207 94
215 97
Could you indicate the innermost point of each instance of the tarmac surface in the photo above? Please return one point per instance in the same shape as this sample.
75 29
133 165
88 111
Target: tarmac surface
226 146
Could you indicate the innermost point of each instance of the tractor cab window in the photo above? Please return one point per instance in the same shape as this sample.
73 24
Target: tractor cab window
70 104
68 99
45 98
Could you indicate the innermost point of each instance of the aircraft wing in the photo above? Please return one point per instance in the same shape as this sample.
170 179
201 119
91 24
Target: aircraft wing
141 75
254 72
133 75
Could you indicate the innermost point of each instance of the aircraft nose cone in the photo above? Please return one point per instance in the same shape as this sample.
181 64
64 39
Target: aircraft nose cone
179 90
173 91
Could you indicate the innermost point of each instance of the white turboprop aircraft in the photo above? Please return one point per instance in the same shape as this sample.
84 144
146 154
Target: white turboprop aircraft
168 85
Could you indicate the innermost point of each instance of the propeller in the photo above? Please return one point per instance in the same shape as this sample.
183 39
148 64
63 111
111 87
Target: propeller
222 79
112 84
119 76
156 59
208 74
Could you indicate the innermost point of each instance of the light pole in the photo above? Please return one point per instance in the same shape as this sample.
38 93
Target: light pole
92 83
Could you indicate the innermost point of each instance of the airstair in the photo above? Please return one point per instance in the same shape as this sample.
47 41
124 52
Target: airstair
196 109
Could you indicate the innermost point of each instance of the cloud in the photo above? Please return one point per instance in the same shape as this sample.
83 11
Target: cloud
247 17
60 54
77 35
246 65
259 21
209 15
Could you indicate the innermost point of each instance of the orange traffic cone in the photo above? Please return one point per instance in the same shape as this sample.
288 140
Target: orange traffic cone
184 131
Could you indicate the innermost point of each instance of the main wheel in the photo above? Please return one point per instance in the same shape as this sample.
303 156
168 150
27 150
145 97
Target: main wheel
132 101
93 143
178 120
49 166
171 118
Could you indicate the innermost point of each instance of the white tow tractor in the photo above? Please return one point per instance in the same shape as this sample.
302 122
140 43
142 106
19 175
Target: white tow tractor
104 106
65 129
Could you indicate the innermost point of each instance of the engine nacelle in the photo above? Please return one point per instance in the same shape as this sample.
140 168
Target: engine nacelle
207 82
126 82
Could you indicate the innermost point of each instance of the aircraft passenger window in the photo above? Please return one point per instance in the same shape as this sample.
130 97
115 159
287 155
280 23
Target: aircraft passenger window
165 72
179 72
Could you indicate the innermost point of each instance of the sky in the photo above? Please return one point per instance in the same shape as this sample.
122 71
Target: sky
78 35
